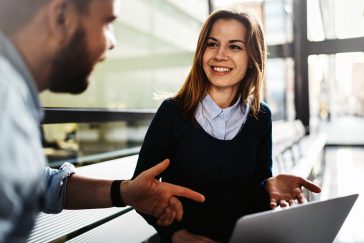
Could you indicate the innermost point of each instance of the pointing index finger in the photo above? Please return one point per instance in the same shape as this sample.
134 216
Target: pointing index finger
185 192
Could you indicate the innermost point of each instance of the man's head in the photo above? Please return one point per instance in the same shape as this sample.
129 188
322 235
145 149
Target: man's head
16 13
73 35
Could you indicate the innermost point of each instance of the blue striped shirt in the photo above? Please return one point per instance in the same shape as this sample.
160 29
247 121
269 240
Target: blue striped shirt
26 186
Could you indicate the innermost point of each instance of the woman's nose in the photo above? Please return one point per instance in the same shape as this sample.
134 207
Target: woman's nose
221 55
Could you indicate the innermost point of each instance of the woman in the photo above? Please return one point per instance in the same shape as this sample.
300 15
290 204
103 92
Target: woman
216 131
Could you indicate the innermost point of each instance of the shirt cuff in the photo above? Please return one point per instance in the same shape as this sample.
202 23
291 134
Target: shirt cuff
55 182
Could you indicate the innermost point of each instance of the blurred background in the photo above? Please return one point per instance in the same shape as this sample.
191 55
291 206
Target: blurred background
312 73
315 74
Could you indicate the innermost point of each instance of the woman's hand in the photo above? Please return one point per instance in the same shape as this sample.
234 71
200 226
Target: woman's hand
183 236
285 190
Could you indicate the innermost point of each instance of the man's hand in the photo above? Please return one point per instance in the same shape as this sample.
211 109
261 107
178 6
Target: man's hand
156 198
284 190
183 236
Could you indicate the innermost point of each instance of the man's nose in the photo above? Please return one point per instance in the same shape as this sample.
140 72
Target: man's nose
111 41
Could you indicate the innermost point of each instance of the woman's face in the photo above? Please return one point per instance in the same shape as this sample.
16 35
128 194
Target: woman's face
225 60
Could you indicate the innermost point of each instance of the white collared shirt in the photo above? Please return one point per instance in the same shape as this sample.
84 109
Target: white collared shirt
221 123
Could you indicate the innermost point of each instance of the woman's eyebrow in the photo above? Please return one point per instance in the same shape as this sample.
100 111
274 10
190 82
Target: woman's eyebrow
232 41
212 38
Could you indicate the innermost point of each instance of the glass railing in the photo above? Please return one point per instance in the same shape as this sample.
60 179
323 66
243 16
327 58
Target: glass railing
85 136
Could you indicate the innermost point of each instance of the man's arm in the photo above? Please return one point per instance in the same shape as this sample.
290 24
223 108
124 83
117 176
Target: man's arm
86 192
144 193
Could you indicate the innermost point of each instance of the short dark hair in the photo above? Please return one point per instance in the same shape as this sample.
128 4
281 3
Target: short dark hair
15 13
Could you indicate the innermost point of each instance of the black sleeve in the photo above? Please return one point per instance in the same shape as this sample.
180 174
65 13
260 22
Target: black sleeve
264 161
263 169
157 146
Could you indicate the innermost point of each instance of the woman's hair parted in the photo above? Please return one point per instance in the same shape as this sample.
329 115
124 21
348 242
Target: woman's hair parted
196 84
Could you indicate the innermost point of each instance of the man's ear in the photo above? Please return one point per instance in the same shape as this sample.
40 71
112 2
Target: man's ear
62 19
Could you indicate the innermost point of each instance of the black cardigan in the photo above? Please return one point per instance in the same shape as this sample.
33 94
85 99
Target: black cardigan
227 172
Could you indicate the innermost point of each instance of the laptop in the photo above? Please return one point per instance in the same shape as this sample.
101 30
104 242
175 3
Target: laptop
318 221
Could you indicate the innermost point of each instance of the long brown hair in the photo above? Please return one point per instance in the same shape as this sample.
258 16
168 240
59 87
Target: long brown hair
196 84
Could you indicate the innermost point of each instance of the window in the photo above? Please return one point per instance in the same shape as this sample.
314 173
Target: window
336 85
156 43
329 19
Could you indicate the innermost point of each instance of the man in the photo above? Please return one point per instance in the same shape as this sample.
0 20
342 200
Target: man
54 44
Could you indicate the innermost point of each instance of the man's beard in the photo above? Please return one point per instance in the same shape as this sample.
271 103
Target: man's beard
71 67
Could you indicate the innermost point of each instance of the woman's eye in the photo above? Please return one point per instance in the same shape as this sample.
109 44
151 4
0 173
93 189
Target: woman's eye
236 47
211 44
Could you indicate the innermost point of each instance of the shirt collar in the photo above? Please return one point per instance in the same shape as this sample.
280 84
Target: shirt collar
9 51
229 111
211 107
214 110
